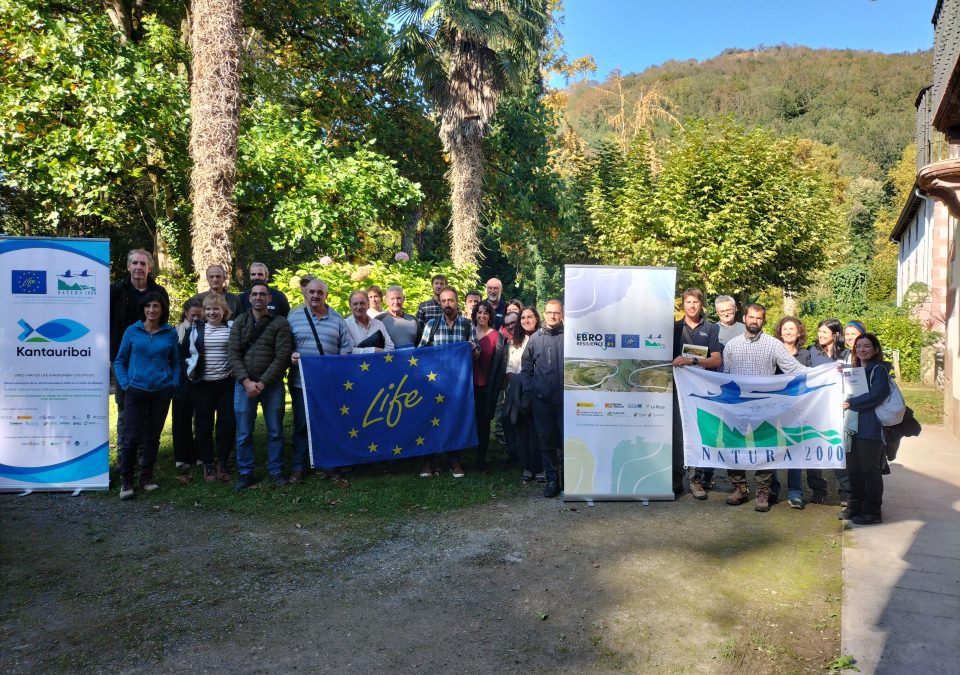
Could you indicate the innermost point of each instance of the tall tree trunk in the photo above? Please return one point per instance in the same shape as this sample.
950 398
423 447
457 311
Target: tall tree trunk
466 197
215 105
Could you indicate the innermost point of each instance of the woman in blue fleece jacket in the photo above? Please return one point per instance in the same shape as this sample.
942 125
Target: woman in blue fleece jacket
147 369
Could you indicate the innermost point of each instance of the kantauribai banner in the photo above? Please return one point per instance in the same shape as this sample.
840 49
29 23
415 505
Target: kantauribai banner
762 421
54 363
618 389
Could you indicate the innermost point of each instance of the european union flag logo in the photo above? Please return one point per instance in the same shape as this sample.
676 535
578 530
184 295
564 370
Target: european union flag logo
390 405
629 341
29 282
609 340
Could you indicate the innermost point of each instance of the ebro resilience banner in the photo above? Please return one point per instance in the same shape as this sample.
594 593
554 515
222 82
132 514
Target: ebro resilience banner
618 386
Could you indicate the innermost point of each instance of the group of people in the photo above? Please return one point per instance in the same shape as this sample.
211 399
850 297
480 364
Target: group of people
228 355
743 348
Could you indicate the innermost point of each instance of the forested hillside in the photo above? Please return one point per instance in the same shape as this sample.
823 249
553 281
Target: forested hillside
862 102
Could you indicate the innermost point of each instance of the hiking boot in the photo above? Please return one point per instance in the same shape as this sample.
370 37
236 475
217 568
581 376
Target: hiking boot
279 480
297 477
848 513
243 482
696 489
209 473
147 484
223 474
740 494
763 500
866 519
126 488
551 489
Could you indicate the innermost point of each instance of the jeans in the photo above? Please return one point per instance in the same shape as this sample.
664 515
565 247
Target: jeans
548 421
815 481
214 398
271 400
301 439
144 415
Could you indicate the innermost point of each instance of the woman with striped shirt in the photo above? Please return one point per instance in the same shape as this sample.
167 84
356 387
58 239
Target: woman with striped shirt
208 367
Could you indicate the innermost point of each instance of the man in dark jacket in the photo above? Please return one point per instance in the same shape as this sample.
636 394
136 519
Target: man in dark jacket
126 295
543 363
279 305
260 347
125 298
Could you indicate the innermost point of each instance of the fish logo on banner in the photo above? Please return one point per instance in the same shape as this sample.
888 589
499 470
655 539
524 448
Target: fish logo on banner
761 422
390 405
57 330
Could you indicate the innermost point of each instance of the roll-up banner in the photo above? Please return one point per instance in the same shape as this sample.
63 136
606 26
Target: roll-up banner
618 386
54 363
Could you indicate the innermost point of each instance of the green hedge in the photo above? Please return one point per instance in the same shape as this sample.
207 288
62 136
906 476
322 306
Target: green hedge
343 278
894 327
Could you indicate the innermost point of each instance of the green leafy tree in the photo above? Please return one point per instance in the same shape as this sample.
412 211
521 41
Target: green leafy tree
93 136
467 54
307 201
734 211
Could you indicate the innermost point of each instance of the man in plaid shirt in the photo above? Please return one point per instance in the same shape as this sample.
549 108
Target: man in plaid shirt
446 329
755 353
431 309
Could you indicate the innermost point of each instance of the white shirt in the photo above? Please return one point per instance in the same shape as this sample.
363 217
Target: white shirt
359 334
516 355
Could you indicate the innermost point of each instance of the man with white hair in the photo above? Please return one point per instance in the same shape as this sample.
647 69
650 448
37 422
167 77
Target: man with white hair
727 314
318 330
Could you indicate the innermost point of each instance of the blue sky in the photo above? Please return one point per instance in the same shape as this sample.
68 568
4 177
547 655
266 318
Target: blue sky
634 34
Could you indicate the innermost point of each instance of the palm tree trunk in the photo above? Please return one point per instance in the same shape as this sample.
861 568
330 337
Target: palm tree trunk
466 197
215 103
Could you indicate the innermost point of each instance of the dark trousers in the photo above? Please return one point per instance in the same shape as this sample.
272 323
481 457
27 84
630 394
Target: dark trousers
184 441
522 442
763 478
144 415
213 409
548 421
865 466
484 413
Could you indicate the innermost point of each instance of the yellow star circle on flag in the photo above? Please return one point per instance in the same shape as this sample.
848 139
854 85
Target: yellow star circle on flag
373 447
364 366
419 440
348 385
432 377
354 433
344 410
435 422
397 450
388 358
412 361
439 398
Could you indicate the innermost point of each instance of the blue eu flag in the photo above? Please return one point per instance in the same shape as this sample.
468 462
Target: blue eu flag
389 405
28 282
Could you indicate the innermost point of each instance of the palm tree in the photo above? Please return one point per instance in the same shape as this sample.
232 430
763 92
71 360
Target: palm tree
467 54
215 106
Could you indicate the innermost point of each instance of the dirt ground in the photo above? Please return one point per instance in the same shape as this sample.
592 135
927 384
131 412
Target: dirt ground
517 585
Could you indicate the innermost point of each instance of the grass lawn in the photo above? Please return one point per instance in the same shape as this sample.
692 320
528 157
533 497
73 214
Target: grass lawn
384 492
927 402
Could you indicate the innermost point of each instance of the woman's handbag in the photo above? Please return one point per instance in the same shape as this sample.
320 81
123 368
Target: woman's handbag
890 413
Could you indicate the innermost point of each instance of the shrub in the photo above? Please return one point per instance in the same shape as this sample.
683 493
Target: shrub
344 277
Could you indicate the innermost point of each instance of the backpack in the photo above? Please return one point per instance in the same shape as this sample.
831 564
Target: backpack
891 411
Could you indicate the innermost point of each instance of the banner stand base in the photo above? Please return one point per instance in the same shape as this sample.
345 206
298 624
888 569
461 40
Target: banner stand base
655 497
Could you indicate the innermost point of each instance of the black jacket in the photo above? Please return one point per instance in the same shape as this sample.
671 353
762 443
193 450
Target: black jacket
543 363
125 308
